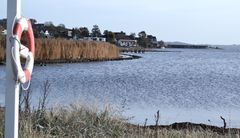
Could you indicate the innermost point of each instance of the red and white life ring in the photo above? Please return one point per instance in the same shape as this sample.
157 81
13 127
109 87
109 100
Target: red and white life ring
23 74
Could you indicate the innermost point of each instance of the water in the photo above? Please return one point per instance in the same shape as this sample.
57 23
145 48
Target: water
197 85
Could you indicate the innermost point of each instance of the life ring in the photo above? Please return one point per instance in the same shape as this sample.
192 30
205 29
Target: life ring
23 74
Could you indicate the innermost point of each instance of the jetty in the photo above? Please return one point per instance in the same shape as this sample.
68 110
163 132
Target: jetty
188 46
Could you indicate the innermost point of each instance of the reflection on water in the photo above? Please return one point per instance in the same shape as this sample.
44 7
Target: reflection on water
192 85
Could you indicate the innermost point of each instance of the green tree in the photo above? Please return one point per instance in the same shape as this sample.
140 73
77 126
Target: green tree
83 32
61 26
142 40
142 34
33 21
96 31
61 31
49 23
110 36
75 31
162 43
132 36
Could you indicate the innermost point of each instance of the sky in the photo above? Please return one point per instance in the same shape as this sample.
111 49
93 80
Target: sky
192 21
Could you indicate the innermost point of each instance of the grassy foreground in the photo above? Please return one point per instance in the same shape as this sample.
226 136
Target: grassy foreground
76 121
87 121
62 50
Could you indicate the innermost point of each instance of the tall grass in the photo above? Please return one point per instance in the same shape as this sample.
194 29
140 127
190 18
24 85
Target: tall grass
80 121
54 50
87 121
2 49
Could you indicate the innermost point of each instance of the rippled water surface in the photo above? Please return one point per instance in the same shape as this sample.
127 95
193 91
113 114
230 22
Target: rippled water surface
197 85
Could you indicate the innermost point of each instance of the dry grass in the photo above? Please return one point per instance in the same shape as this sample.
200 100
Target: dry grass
73 121
77 121
54 49
87 121
67 50
2 49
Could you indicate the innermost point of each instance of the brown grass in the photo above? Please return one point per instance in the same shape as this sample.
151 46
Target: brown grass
2 49
81 120
67 50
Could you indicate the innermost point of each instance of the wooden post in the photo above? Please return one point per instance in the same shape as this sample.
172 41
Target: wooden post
12 87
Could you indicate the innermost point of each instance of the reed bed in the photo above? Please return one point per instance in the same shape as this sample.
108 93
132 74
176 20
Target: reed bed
2 49
54 50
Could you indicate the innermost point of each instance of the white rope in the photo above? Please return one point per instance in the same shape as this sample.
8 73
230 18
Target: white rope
14 58
13 23
26 88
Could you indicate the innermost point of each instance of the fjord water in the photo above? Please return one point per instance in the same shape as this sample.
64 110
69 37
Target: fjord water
197 85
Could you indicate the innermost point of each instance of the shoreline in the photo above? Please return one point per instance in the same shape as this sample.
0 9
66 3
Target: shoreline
62 61
190 126
180 126
124 56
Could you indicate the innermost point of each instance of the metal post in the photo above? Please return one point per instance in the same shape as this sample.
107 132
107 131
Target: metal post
12 87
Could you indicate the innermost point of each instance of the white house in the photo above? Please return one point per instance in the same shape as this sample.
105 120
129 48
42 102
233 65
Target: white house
69 33
127 43
4 32
101 39
45 34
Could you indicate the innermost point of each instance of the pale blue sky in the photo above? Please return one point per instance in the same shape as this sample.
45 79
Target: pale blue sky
193 21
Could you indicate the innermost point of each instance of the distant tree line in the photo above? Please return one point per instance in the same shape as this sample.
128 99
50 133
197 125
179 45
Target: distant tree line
60 31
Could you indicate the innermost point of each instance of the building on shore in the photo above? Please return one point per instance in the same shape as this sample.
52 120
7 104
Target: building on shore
127 43
44 34
123 40
4 32
99 39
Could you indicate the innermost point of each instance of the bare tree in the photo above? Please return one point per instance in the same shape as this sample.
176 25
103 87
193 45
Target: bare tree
45 93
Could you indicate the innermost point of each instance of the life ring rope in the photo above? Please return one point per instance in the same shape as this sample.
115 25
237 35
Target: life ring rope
14 59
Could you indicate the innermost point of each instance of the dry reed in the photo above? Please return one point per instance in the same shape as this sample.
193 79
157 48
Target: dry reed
55 49
2 49
66 50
